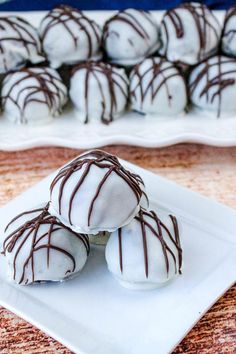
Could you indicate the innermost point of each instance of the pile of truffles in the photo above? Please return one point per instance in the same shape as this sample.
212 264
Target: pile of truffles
94 199
131 64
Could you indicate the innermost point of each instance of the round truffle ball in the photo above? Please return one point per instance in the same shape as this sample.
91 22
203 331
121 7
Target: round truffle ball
69 37
39 248
33 95
228 44
96 193
130 36
99 92
146 253
212 86
19 44
157 87
190 33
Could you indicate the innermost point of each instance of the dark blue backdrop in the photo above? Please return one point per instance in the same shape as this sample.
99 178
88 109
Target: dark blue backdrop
23 5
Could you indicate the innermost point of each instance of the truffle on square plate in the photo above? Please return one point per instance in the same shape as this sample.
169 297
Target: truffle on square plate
19 44
99 91
228 43
69 37
212 86
33 95
39 248
130 36
94 193
157 87
190 33
146 253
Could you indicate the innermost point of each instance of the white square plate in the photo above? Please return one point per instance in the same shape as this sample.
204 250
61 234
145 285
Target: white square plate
130 129
92 314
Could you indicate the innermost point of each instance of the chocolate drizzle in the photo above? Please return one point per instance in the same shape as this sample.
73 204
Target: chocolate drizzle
156 231
116 81
64 15
46 82
16 240
161 71
214 85
127 17
229 14
22 34
102 160
200 15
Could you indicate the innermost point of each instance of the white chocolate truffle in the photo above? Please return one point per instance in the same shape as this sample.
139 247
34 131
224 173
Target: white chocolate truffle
145 254
95 193
19 43
190 33
130 36
69 37
157 87
98 91
33 95
228 43
39 248
212 86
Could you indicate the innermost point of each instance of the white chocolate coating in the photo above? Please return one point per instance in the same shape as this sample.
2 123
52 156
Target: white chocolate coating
19 43
95 193
212 86
39 248
228 43
33 95
69 37
130 36
99 92
190 33
157 87
142 255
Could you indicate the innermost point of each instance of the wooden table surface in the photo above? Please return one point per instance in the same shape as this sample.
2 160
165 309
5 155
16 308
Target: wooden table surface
210 171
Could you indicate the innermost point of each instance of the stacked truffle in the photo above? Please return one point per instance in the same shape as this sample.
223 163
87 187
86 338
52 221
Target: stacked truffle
131 64
94 195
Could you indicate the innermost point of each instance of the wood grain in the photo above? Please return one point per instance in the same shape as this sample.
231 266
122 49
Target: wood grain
210 171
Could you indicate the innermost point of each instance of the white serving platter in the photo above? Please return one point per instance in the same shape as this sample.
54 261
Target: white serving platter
93 314
131 129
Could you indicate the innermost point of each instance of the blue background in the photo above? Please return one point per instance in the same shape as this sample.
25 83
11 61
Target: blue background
23 5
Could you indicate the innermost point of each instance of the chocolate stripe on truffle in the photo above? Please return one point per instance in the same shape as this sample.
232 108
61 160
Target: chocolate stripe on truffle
217 82
101 160
198 12
230 13
113 76
31 228
156 232
63 14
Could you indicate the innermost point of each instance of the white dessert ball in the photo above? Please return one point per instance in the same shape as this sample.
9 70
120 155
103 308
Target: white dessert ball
146 253
228 43
19 44
33 95
212 86
94 193
130 36
69 37
190 33
39 248
157 87
99 92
